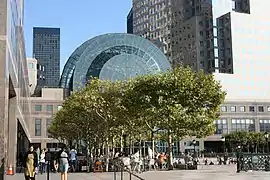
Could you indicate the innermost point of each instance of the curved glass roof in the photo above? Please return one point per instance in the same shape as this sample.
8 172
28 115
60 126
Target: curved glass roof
112 57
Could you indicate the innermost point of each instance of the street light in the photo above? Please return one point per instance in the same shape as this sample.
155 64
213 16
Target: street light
266 135
223 141
194 144
238 159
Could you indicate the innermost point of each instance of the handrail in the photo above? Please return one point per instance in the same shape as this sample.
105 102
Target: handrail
136 176
121 167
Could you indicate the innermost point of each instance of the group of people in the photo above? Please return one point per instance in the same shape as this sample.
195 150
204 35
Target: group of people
34 161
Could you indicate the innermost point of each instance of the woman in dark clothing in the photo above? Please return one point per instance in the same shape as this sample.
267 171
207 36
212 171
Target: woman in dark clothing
30 164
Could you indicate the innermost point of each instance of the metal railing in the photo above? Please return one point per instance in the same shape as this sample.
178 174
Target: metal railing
119 168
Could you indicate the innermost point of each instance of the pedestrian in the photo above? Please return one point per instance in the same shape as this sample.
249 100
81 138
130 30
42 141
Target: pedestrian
73 159
63 163
42 161
30 164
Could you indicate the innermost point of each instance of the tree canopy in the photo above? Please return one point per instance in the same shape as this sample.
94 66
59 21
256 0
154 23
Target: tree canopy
243 138
180 103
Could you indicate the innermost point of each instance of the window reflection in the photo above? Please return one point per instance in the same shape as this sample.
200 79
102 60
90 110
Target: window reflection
265 125
221 126
243 125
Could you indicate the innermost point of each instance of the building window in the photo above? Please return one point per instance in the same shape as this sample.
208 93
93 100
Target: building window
233 108
251 109
242 108
216 52
243 125
37 127
224 108
38 108
264 125
48 123
221 126
30 65
233 5
268 108
59 108
49 108
260 109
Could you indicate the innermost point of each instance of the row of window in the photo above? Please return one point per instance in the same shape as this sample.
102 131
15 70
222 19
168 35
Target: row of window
49 108
240 125
243 109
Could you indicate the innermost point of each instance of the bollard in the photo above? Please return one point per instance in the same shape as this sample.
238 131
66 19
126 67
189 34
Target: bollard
114 168
48 170
48 159
122 173
238 162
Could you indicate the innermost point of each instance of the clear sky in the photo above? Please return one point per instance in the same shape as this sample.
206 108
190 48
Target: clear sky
79 20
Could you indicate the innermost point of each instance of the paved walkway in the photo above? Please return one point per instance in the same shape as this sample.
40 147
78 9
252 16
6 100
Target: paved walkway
204 173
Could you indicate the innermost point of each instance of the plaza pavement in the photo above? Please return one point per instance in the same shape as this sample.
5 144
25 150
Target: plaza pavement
223 172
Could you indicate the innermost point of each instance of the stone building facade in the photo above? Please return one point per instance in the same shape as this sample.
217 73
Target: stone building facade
14 85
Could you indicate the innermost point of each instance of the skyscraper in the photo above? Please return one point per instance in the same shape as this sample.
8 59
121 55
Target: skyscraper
182 29
46 49
130 22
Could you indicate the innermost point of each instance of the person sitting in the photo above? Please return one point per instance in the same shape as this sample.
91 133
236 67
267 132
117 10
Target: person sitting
162 160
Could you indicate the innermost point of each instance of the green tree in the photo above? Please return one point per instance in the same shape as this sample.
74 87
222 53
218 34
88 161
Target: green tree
246 139
181 102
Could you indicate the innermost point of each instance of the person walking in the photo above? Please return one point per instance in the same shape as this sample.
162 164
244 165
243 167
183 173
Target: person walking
30 164
42 161
63 163
73 159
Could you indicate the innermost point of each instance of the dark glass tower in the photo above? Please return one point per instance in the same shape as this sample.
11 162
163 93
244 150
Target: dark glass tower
46 49
130 22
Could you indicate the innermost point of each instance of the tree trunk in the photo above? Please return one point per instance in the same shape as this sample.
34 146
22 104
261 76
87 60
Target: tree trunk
130 145
113 148
121 142
107 154
170 160
153 145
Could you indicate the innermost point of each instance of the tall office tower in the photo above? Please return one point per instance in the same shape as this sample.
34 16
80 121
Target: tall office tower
181 28
46 49
130 22
223 10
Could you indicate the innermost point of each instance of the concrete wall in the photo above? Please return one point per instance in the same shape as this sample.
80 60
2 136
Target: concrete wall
32 73
14 92
251 44
50 97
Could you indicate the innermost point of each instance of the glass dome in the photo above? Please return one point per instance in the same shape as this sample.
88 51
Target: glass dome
112 57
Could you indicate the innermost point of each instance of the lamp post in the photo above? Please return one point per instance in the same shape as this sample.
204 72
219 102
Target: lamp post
194 145
238 166
224 150
223 141
266 136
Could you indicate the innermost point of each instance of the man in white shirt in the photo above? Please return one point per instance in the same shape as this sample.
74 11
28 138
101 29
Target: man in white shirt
73 158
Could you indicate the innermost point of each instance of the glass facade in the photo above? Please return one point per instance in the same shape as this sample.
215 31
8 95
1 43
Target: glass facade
112 57
264 125
221 126
243 125
46 48
38 127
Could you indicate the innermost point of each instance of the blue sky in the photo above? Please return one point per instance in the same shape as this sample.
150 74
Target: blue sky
79 20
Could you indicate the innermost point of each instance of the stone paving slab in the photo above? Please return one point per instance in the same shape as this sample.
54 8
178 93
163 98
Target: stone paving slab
204 173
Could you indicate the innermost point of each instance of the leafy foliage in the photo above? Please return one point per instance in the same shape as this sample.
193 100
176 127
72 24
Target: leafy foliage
243 137
179 102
